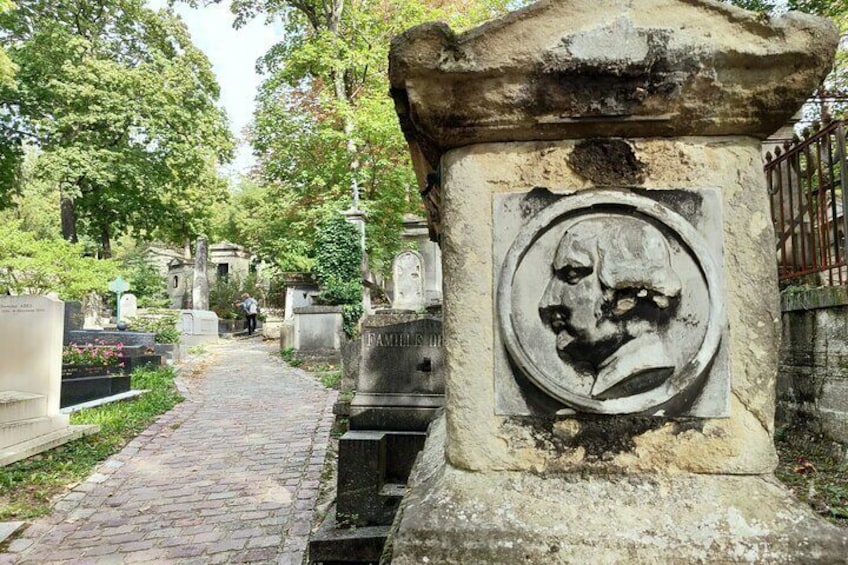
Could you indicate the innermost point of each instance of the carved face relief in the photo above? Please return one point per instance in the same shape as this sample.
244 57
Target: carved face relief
627 319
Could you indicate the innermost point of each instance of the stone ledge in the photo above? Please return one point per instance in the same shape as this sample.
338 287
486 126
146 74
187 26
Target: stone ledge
455 516
825 297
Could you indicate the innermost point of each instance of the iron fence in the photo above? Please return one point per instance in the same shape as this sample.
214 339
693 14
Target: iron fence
806 181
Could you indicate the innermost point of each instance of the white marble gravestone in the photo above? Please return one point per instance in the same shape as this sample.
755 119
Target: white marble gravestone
30 378
408 281
129 306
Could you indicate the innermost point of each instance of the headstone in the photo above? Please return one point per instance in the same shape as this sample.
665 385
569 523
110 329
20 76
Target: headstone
401 381
610 286
415 231
408 279
74 319
200 281
92 307
318 329
31 330
198 326
129 306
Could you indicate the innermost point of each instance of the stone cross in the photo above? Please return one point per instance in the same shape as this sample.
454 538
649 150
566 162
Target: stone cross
118 286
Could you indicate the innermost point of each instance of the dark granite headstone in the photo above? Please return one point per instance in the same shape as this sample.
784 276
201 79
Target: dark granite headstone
74 319
401 381
111 338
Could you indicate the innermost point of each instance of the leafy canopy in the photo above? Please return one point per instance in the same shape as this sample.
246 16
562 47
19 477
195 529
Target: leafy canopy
122 108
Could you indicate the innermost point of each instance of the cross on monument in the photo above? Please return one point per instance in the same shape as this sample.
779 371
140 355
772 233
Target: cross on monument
119 286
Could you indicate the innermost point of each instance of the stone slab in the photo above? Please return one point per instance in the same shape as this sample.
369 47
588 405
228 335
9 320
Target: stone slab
76 391
453 516
7 529
105 400
44 442
111 337
334 544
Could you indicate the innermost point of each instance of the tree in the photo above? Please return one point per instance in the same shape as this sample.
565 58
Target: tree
32 265
123 110
324 120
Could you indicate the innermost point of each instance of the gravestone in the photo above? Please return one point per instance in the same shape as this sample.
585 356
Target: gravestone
74 319
92 308
198 327
401 381
416 233
399 390
200 280
318 329
31 330
408 281
610 287
129 306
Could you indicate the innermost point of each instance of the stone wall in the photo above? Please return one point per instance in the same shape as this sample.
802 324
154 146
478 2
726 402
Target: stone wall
812 384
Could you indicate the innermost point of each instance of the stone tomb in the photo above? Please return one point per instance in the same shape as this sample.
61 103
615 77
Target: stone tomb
30 378
593 170
399 390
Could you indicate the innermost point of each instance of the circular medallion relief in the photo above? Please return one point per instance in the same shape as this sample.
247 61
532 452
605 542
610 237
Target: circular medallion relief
608 302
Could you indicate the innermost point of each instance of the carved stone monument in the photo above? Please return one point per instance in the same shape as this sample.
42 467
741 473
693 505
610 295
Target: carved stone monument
92 307
593 172
200 282
408 281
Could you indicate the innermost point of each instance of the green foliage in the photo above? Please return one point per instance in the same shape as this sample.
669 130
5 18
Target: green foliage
29 265
338 267
160 322
324 120
27 487
290 356
148 286
332 379
225 295
122 108
338 254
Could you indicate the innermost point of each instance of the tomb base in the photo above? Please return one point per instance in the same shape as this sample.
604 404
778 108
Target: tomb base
455 516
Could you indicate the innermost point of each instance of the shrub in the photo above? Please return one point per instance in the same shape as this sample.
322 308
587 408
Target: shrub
161 322
338 264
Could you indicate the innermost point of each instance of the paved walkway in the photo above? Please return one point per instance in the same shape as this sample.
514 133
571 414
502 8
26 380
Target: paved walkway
230 475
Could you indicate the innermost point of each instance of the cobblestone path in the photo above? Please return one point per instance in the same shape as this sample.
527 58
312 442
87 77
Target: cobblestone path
231 475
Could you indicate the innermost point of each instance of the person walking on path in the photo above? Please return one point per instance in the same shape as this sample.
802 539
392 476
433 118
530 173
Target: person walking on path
251 310
230 475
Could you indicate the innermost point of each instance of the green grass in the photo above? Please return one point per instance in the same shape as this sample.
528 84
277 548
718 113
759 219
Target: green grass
290 356
331 379
28 487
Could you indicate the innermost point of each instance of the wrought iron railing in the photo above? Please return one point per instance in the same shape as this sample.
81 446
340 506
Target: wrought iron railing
807 180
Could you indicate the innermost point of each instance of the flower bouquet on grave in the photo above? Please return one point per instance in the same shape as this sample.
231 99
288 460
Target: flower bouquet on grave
92 359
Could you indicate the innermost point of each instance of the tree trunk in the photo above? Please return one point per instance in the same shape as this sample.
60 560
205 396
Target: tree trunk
69 219
105 242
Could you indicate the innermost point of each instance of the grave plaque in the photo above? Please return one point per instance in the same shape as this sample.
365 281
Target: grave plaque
629 317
